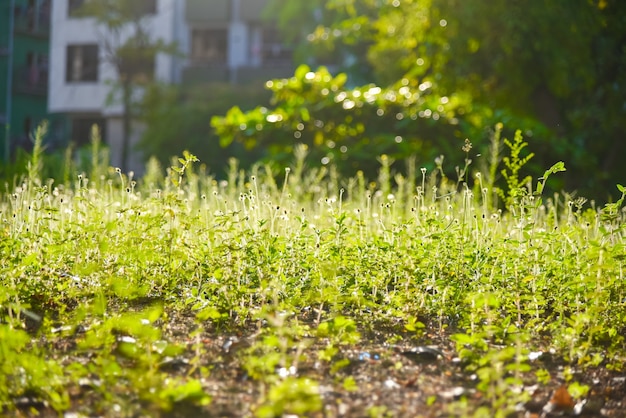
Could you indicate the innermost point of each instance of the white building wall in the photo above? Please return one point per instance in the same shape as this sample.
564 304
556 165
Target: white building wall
182 36
72 97
163 26
115 131
237 38
78 99
237 45
168 24
91 97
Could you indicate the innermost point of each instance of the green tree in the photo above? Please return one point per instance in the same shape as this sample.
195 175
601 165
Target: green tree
178 117
347 126
555 68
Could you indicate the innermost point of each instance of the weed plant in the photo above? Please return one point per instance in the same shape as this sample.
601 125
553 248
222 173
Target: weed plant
99 271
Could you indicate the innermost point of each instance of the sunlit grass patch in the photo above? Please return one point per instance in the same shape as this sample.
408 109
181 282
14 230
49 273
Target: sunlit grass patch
284 289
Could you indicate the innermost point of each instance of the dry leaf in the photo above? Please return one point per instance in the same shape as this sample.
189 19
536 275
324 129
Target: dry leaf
561 401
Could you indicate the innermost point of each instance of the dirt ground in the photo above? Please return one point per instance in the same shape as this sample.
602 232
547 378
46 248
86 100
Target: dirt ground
410 378
407 379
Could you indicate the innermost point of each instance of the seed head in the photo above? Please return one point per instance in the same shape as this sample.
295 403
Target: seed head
467 146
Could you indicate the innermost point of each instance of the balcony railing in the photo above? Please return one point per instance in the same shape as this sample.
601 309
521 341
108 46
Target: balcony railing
265 72
31 80
33 21
202 11
252 10
206 74
222 74
276 55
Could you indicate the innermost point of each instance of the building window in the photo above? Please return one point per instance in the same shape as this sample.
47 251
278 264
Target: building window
33 16
209 46
82 63
32 78
139 67
274 50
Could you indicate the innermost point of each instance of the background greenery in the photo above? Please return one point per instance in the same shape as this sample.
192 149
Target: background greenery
555 69
178 117
408 77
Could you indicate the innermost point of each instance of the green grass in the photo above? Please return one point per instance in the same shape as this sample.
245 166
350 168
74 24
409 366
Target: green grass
98 274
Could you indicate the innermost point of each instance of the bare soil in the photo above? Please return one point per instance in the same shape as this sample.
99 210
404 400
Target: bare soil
396 380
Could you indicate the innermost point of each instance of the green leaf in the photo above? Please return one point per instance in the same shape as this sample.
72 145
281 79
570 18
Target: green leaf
463 339
209 313
557 167
226 140
302 71
539 188
349 384
305 115
153 314
578 390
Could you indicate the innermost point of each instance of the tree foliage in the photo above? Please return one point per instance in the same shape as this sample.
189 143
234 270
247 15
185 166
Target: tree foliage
346 126
178 117
554 68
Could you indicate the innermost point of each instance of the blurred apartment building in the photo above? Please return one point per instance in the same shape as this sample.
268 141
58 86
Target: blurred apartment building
24 64
221 41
